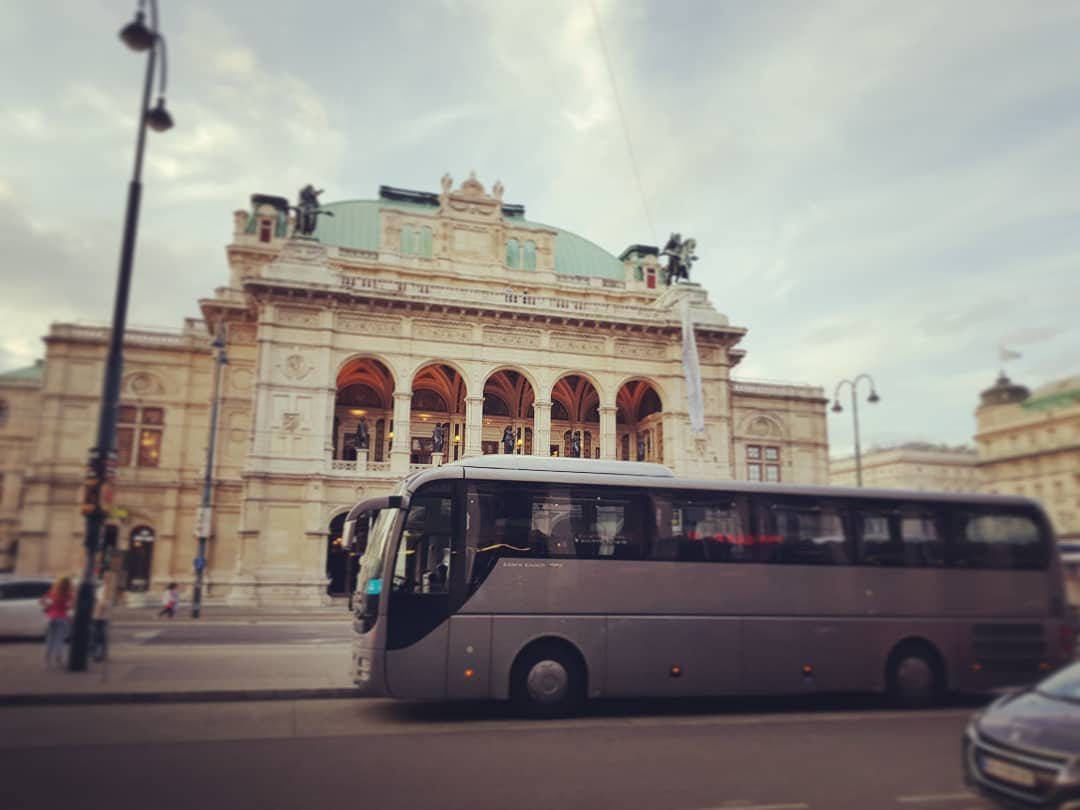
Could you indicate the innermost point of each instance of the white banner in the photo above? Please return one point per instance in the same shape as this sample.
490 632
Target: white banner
692 371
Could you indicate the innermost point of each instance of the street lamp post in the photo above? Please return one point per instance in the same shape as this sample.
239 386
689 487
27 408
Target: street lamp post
854 384
139 37
204 520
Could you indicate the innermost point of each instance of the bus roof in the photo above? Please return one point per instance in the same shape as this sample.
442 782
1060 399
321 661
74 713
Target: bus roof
564 465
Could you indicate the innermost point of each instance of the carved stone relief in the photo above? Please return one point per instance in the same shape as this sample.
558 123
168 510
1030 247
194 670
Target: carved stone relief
294 316
241 333
443 331
641 350
145 384
579 344
240 379
521 338
358 324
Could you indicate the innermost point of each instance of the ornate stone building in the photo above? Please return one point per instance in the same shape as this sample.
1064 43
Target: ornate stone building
912 465
412 320
1029 444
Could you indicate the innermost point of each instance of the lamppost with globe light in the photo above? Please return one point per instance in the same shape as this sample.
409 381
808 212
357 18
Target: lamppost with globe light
836 408
140 37
204 521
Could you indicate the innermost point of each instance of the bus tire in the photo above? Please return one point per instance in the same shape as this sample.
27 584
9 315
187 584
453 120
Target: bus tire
547 680
915 677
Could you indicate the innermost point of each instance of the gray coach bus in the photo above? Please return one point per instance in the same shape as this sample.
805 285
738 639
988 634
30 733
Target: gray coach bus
550 581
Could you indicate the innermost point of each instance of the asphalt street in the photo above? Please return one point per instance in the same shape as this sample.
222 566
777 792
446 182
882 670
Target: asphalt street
378 754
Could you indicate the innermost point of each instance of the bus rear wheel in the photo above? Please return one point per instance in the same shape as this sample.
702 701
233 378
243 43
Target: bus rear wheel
915 677
547 681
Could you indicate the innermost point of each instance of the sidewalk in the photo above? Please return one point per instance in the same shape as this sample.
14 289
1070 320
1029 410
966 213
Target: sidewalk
186 673
224 613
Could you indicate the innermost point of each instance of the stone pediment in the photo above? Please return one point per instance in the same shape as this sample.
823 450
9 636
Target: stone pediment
470 201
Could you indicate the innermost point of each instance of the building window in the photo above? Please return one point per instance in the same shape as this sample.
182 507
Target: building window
770 470
425 242
528 255
408 240
144 424
513 254
4 412
650 278
266 230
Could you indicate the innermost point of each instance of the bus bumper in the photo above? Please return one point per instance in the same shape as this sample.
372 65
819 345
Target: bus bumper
368 669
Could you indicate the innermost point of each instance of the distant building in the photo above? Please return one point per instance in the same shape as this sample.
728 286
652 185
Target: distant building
1029 444
19 423
913 465
414 319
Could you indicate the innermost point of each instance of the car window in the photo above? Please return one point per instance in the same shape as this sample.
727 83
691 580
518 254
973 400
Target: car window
24 590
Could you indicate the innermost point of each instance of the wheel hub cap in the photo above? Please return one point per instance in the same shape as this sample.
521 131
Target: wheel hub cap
547 682
914 675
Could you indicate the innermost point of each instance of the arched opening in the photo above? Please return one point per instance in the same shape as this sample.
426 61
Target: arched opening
139 558
363 411
342 563
575 418
639 423
437 414
508 414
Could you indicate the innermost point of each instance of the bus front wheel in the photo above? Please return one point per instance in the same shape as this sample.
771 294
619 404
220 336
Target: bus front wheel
914 676
547 681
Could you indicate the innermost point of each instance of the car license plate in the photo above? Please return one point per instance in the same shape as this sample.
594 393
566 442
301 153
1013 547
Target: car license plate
1007 772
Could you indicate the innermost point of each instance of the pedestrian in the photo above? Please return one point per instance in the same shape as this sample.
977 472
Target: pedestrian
169 601
106 593
58 603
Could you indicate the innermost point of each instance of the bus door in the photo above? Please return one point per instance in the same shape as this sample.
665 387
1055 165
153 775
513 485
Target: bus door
419 607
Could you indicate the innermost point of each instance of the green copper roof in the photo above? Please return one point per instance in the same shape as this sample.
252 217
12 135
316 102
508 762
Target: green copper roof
355 225
34 372
1059 394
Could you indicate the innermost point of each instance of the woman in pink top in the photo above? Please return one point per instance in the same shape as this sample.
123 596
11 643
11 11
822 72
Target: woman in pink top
58 603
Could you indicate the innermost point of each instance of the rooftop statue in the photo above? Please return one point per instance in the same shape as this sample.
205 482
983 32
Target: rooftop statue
308 211
681 256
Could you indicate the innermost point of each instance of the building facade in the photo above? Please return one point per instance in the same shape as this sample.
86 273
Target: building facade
912 465
1029 444
413 329
19 421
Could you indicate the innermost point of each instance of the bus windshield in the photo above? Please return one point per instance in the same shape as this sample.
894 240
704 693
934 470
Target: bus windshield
370 580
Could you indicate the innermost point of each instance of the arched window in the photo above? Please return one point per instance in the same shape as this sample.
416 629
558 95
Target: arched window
529 255
513 253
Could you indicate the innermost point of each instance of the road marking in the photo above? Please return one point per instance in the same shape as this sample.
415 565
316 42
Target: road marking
937 797
145 635
737 804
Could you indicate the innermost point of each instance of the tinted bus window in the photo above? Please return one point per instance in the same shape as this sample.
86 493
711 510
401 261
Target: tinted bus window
552 520
908 537
801 532
989 539
702 527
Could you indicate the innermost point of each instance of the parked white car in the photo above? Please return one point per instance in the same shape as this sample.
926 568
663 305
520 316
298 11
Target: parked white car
21 613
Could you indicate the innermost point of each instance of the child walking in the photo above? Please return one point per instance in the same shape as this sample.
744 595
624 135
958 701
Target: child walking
169 601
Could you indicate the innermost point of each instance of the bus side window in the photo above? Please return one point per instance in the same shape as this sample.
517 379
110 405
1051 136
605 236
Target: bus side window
988 539
701 527
921 535
809 533
876 537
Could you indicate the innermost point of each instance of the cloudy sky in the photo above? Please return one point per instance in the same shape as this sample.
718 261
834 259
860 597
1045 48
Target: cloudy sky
875 187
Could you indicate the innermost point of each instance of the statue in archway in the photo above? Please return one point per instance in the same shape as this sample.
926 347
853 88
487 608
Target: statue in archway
308 211
438 438
575 445
508 439
641 447
362 434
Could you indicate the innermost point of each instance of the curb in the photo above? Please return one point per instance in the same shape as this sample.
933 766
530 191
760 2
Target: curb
205 696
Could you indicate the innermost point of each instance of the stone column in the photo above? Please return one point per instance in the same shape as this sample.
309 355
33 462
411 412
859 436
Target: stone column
474 423
607 432
399 455
541 428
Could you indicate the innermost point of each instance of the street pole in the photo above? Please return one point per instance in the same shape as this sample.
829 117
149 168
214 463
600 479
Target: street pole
102 455
836 408
203 524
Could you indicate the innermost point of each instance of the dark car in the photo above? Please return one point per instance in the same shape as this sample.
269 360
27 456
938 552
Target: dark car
1023 750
